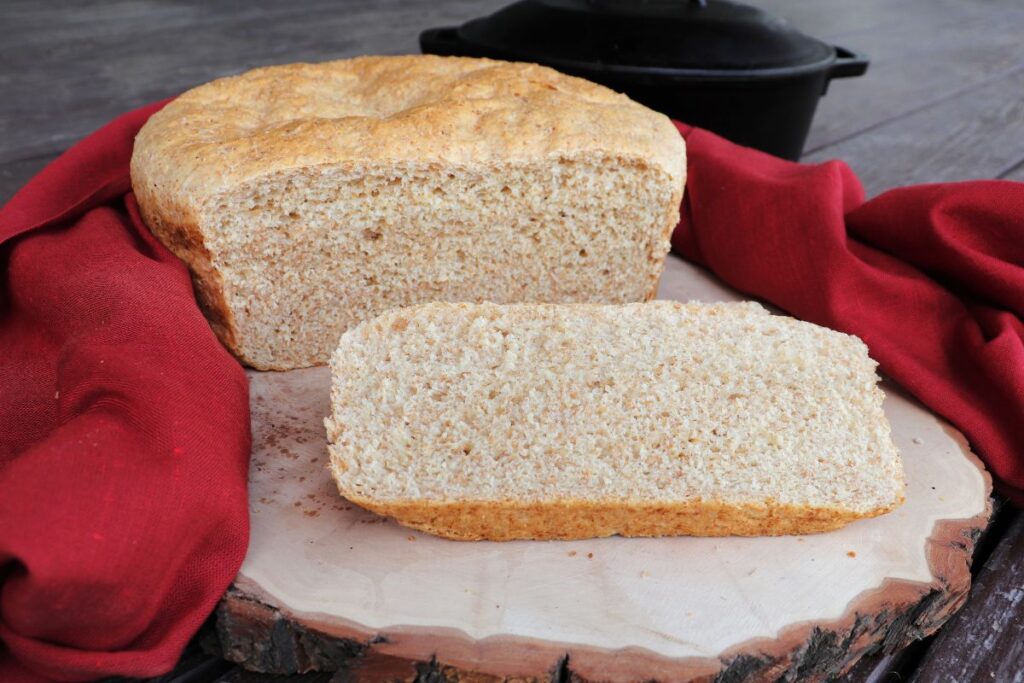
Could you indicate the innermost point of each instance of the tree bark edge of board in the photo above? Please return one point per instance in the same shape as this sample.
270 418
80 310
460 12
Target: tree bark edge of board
261 637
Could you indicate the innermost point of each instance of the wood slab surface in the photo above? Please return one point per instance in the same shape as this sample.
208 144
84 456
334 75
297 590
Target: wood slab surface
935 104
329 586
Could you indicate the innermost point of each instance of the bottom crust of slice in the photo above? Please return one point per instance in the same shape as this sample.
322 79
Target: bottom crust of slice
578 519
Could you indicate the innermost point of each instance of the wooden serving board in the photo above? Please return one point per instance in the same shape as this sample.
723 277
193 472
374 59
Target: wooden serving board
326 585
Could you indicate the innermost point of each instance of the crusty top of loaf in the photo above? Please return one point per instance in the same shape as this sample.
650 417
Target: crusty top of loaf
412 109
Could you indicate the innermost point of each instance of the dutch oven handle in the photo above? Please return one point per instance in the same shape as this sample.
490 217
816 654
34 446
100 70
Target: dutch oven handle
848 64
441 41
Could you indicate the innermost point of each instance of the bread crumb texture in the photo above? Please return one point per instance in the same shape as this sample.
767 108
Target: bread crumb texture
480 421
307 198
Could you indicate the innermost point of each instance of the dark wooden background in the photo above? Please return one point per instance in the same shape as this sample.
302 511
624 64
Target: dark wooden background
943 100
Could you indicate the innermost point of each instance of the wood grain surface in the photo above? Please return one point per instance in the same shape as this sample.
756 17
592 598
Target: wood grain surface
922 54
326 585
985 642
974 135
68 66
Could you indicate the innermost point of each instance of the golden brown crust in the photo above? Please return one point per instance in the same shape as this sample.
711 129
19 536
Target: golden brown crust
672 218
180 233
416 108
576 519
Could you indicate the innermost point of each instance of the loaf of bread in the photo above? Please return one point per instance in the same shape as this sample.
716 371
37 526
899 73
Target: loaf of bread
478 421
309 197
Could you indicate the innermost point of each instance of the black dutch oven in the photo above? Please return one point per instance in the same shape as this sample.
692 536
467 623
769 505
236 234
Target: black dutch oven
724 66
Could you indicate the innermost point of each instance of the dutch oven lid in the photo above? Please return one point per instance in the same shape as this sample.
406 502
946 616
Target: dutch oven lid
707 36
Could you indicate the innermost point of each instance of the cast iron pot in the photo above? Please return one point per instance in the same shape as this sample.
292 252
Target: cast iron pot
724 66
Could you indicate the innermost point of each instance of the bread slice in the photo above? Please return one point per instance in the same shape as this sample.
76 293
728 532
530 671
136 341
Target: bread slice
573 421
308 197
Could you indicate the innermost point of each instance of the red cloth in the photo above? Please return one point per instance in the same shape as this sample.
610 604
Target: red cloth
931 277
124 431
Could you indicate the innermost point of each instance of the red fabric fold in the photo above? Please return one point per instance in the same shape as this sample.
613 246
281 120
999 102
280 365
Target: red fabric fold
931 277
124 431
124 427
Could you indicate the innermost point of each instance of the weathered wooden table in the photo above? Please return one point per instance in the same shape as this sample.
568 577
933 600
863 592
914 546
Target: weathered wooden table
943 100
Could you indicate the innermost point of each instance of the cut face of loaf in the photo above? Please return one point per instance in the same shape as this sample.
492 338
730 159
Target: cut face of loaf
310 197
573 421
